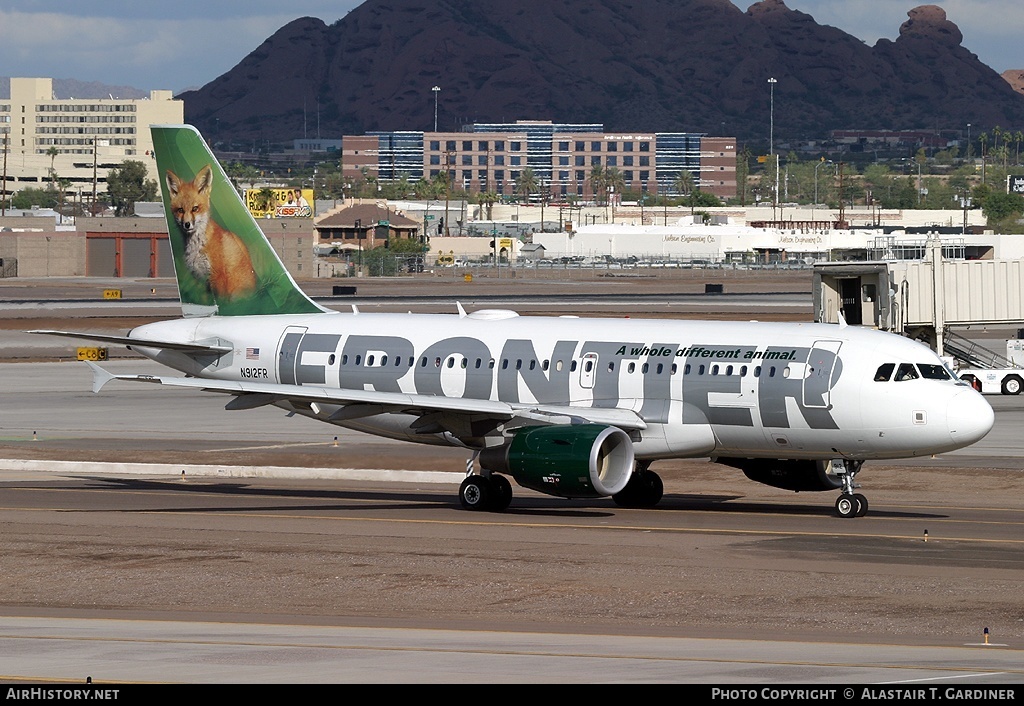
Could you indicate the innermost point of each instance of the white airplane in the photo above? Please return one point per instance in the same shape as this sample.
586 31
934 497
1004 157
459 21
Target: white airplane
572 407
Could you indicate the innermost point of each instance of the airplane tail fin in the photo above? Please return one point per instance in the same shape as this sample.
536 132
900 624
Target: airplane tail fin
223 262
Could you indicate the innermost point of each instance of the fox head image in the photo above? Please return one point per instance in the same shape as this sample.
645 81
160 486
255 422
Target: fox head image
215 255
190 201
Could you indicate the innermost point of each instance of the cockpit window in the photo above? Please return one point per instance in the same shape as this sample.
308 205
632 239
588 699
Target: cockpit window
933 372
906 371
884 372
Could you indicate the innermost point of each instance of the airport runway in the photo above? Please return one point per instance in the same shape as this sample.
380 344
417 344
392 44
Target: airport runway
291 552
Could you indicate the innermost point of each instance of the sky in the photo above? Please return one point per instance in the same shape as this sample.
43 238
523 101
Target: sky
187 43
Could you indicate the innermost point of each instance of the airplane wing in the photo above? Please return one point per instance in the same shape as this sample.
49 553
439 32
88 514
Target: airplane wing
141 343
357 403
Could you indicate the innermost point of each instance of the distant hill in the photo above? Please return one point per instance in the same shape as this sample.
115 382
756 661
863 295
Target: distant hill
652 65
70 88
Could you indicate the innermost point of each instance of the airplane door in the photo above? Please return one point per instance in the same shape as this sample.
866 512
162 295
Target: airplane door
287 351
588 368
821 366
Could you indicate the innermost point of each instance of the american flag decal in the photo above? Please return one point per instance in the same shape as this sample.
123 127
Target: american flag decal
252 353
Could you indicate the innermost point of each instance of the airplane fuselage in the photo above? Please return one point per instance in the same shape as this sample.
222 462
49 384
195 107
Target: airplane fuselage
702 388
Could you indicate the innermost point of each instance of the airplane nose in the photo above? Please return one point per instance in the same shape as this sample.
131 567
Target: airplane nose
969 417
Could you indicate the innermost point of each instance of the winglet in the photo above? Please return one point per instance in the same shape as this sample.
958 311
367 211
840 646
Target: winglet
100 377
462 312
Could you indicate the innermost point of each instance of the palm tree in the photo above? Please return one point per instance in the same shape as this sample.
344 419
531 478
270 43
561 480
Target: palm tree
597 181
527 183
614 181
488 199
684 185
52 153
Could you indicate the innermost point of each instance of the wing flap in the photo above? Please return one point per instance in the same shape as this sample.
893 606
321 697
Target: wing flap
366 400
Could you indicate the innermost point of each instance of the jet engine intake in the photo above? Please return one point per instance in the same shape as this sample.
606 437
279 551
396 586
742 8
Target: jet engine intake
568 461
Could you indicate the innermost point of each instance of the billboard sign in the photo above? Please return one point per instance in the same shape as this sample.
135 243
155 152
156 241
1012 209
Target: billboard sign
1015 184
279 203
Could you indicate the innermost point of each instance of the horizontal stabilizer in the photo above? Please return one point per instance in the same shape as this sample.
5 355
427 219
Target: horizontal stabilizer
140 342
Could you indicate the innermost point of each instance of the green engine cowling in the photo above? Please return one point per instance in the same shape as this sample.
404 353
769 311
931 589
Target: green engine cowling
568 461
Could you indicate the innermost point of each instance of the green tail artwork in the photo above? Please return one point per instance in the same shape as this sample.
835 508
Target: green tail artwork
223 262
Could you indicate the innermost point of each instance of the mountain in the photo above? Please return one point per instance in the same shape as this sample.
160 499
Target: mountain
72 88
651 65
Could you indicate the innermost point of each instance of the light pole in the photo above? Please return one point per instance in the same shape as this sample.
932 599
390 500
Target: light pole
965 203
436 90
771 137
968 151
822 161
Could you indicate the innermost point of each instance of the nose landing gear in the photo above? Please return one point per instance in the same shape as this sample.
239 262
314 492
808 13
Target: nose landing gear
849 503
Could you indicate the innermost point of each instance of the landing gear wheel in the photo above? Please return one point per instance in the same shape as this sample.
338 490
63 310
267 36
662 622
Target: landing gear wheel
475 493
862 504
644 489
502 493
847 506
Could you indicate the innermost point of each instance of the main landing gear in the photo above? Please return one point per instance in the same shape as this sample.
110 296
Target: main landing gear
644 488
493 492
849 503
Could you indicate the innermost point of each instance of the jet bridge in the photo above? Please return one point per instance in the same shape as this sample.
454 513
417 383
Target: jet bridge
924 299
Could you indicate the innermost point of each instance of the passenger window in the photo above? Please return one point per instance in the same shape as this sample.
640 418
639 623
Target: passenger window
632 367
344 359
359 360
572 367
611 367
661 367
369 361
686 369
330 359
757 371
906 371
674 368
451 362
714 370
728 370
589 366
884 372
743 371
464 364
558 365
383 360
644 368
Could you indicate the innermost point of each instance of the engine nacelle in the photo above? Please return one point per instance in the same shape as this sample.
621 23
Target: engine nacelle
568 461
798 475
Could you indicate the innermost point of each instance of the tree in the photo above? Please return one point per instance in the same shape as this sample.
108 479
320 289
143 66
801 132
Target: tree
527 183
127 185
597 181
27 198
52 153
684 186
